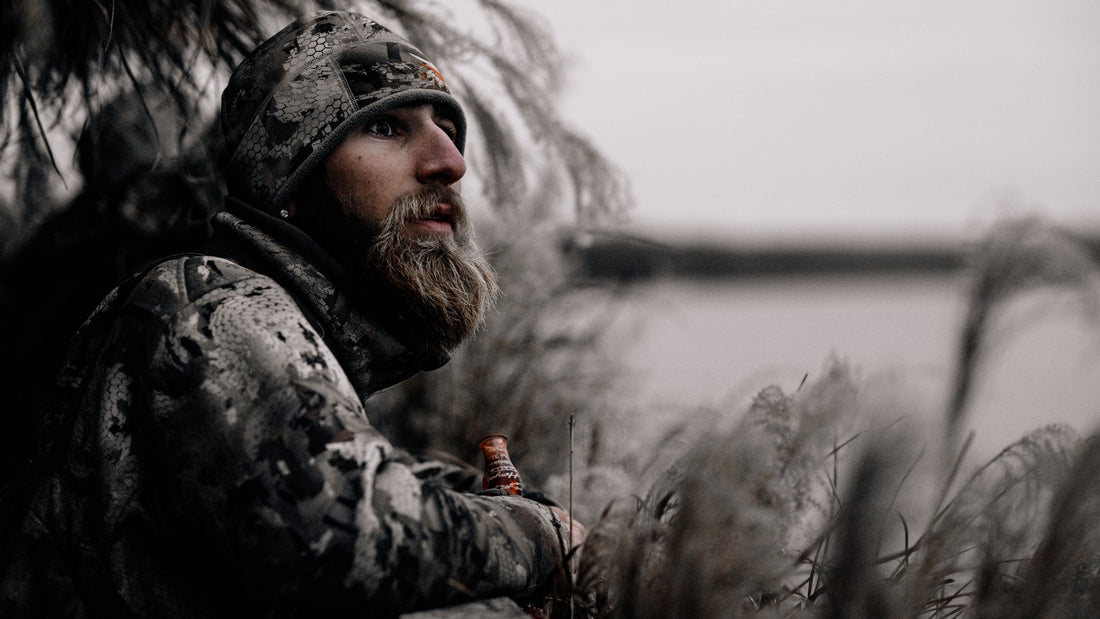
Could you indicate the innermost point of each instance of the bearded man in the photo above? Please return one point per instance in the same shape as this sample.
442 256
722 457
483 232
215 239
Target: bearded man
210 454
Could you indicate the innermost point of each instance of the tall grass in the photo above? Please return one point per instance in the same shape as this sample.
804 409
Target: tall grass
830 501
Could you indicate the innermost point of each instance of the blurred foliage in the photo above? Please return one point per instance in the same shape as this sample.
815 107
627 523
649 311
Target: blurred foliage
831 502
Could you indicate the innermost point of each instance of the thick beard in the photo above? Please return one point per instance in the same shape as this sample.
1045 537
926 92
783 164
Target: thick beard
445 282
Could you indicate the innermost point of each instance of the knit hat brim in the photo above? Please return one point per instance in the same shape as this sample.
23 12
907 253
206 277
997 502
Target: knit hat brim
403 98
295 98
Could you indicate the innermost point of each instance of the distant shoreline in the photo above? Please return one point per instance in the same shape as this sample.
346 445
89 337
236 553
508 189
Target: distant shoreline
632 258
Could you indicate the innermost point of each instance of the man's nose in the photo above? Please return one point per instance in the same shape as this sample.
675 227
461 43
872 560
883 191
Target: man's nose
440 163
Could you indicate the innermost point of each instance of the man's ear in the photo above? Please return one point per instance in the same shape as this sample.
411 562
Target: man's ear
291 209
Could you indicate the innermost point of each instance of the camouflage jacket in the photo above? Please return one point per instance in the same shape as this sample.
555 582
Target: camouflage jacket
210 456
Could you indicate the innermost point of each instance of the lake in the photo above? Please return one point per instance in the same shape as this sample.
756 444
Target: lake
716 342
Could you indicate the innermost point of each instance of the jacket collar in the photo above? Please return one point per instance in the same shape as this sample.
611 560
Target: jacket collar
373 356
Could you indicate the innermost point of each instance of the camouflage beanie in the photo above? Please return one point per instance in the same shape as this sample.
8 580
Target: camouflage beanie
301 92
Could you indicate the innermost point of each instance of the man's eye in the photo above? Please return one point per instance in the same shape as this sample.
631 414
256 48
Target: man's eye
381 126
450 129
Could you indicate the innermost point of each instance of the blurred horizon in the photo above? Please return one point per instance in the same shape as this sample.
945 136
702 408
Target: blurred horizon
636 256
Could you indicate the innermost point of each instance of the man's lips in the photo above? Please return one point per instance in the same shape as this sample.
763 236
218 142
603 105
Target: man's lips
440 220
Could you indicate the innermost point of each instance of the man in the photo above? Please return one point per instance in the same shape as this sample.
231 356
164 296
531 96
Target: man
210 454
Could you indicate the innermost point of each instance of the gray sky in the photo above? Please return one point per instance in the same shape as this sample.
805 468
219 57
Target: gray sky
868 118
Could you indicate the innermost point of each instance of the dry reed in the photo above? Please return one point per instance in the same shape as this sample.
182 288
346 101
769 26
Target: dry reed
802 509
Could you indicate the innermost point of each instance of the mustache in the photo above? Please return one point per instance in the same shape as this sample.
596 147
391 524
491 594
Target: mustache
442 203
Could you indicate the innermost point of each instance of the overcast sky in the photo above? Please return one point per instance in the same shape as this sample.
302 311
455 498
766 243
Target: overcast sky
868 118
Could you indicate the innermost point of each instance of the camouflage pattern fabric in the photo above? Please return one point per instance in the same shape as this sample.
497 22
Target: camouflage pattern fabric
211 457
301 92
495 608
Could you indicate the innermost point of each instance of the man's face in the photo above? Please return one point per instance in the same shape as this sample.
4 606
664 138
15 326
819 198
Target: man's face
386 204
391 156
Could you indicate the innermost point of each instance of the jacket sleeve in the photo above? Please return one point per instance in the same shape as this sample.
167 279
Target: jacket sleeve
269 462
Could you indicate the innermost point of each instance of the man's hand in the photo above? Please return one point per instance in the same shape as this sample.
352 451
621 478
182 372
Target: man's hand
575 528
